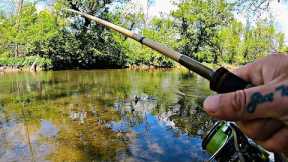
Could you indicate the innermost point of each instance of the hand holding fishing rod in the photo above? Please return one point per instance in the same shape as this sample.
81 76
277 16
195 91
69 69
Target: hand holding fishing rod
225 141
261 111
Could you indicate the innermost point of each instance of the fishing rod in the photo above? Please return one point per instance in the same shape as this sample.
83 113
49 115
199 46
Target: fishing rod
225 141
221 80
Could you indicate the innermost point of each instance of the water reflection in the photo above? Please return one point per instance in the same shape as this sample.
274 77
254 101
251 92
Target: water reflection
102 115
20 143
78 116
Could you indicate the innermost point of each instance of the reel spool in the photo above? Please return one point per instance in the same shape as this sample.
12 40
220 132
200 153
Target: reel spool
226 143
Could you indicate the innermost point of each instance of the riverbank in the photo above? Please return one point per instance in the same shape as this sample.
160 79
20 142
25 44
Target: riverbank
29 63
13 69
179 68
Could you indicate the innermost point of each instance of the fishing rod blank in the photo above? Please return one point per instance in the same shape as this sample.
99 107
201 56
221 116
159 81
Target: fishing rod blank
221 80
191 64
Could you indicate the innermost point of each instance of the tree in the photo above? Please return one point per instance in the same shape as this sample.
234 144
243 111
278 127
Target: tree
22 31
260 41
88 45
204 29
198 22
134 17
228 41
239 44
19 5
254 6
160 30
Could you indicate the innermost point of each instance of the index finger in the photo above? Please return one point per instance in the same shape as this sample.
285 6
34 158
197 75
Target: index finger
254 103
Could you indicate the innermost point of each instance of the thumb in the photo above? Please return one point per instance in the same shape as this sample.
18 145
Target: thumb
267 101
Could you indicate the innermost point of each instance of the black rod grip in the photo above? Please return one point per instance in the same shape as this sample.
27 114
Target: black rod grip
224 81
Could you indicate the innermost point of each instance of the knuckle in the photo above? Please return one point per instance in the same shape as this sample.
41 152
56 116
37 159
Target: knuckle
275 58
250 65
238 101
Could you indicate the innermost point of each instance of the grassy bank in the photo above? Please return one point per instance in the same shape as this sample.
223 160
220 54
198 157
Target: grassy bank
28 63
36 63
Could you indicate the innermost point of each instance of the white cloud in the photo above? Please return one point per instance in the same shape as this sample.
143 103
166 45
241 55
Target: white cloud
161 6
157 7
280 13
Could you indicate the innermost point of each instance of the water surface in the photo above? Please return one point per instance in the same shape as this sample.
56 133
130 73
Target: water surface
102 115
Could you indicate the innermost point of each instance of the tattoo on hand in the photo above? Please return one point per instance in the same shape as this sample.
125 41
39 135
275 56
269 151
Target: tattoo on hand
257 98
283 89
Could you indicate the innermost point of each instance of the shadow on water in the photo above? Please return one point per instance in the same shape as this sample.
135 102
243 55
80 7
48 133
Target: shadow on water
102 115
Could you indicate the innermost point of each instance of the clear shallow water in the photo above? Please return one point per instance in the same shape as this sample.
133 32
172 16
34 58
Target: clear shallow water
102 115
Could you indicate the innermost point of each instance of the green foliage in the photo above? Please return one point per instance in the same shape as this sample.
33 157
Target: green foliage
69 50
160 30
26 61
198 23
228 40
206 30
27 29
210 33
84 44
245 45
284 49
259 41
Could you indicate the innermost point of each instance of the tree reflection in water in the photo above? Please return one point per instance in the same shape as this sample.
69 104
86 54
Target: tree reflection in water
102 115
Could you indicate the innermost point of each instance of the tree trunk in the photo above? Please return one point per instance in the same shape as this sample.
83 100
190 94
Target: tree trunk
215 59
19 5
33 67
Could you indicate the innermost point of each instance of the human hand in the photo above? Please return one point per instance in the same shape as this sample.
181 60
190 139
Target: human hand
261 112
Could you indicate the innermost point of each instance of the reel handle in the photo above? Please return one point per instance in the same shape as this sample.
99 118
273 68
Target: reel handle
224 81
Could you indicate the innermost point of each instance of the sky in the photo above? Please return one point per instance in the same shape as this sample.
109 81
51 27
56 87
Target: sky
280 13
157 6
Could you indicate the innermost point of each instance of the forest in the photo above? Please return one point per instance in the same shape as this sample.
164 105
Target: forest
206 30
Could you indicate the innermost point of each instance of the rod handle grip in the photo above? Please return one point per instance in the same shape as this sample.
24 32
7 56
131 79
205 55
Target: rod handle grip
223 81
